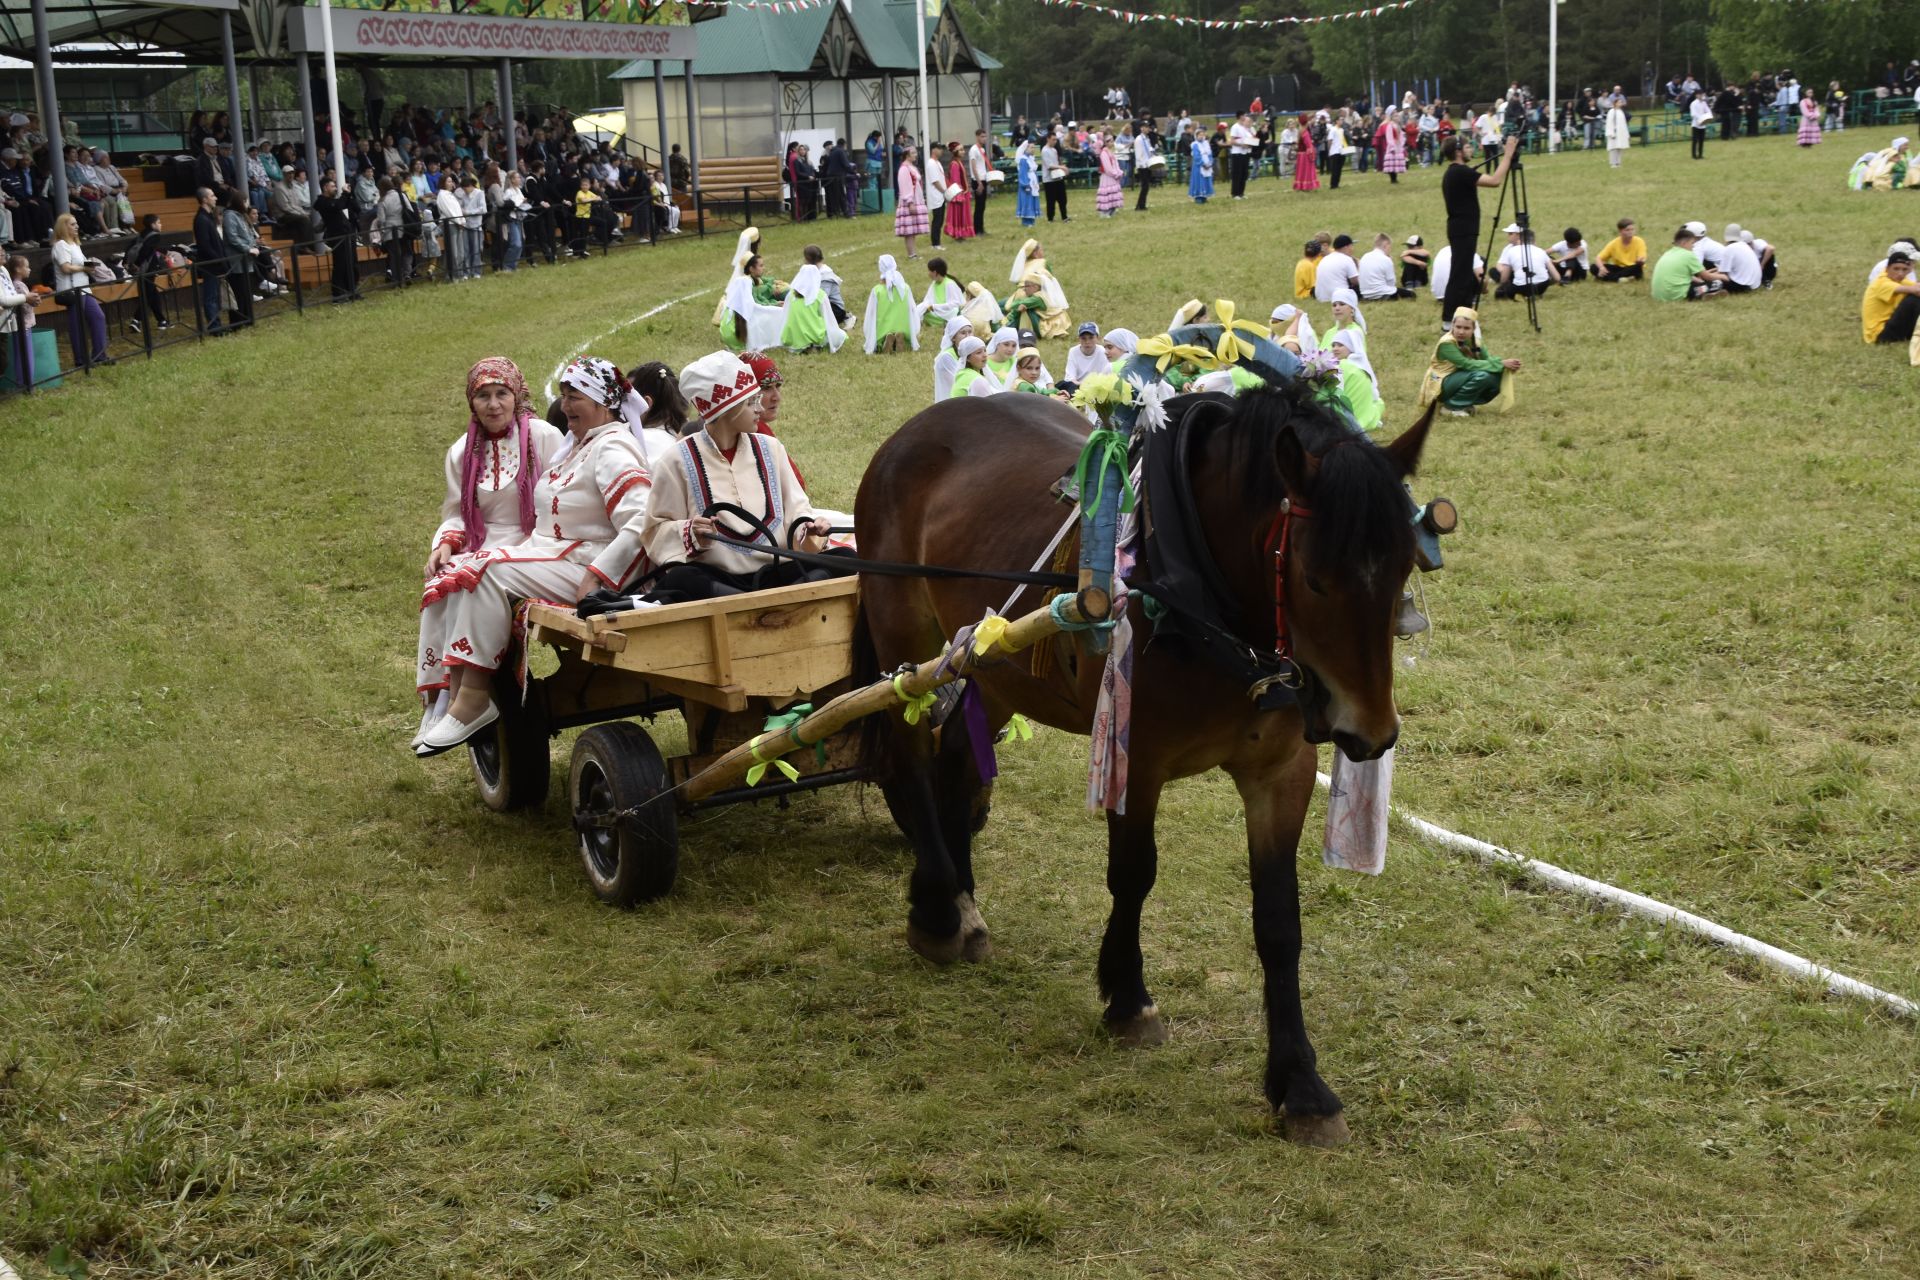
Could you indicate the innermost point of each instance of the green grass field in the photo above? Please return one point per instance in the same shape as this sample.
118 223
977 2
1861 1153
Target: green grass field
278 1000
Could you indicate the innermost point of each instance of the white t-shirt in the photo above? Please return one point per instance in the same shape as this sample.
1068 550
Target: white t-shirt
1741 264
1376 276
1528 262
1336 271
1559 251
1710 250
1443 267
1240 139
1080 364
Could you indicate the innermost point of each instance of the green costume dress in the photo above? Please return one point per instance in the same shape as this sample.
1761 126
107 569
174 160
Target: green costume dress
1466 377
1358 391
765 295
1024 312
962 382
942 303
1002 371
1029 388
891 312
805 328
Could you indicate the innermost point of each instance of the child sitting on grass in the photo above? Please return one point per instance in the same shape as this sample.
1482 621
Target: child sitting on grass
1026 306
890 323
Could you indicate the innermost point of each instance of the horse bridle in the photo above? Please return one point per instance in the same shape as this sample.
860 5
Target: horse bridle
1282 533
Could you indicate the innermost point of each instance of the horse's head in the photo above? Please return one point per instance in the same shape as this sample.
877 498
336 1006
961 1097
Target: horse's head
1345 547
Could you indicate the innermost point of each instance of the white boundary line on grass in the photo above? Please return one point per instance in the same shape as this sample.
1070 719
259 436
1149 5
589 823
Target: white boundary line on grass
553 379
1635 904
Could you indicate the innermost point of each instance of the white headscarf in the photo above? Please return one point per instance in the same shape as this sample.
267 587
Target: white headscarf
1353 342
1019 271
969 345
1125 339
1352 299
1303 332
743 249
891 281
948 363
891 278
1004 335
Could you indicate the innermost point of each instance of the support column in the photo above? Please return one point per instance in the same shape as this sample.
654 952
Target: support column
660 110
693 134
986 106
846 114
506 113
236 121
259 129
886 131
303 80
469 80
49 108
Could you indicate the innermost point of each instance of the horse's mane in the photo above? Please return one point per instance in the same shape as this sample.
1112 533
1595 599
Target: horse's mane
1360 508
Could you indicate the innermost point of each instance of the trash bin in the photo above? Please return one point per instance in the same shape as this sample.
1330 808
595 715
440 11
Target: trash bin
46 362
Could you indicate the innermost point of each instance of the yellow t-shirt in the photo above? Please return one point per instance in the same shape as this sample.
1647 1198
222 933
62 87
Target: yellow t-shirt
1883 295
1303 274
1624 254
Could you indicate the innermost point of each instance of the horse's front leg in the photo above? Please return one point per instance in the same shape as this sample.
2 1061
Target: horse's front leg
1275 794
1132 864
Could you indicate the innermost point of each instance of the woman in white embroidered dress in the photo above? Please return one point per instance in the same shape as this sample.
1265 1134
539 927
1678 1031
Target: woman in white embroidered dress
726 461
588 508
491 474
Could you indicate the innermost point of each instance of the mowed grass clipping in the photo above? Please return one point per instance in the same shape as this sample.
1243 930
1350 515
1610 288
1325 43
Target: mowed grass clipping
278 1000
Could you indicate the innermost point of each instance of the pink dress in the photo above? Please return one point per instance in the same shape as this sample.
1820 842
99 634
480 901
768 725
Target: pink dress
910 209
1393 148
1107 199
1809 122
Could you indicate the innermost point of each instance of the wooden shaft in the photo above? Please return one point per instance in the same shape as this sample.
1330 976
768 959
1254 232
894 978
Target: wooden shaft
880 696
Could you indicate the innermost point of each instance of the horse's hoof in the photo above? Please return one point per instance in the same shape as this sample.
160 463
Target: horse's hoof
941 951
978 943
1143 1030
1318 1131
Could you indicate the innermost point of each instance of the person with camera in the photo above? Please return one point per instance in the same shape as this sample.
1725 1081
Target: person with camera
1460 188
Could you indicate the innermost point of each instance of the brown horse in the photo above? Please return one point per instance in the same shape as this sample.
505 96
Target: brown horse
966 483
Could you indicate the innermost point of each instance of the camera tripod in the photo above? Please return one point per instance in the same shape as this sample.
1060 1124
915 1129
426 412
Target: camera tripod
1516 185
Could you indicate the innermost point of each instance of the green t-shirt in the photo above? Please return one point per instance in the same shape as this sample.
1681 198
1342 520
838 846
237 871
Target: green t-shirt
1674 273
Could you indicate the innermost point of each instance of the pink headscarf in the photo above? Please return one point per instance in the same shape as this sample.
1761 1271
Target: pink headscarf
500 371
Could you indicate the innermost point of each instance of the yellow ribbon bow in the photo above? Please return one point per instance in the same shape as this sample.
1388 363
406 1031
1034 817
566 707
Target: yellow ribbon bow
917 703
758 770
987 633
1232 348
1168 351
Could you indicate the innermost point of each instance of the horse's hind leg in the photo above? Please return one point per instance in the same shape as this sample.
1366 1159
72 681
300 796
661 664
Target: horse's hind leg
957 789
1275 796
1132 864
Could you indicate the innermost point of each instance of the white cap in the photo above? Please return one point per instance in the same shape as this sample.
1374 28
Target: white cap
1698 228
1901 246
1514 229
1733 232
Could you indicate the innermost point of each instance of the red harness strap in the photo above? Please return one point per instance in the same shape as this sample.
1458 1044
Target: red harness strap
1281 533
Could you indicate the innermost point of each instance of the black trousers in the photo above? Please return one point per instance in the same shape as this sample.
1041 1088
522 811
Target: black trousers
936 219
346 269
1237 167
1464 239
1335 163
1637 271
1699 143
1142 178
1900 324
980 190
693 581
1056 192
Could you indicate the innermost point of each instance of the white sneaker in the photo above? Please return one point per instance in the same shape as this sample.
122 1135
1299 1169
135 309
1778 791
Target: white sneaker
428 718
449 732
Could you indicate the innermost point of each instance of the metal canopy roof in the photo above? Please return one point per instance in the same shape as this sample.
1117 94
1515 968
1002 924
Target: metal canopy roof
860 35
116 31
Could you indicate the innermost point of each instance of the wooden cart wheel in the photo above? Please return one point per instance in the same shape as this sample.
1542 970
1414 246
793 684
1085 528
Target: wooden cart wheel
630 848
511 767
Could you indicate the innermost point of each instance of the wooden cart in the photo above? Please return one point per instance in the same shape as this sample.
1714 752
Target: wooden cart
725 665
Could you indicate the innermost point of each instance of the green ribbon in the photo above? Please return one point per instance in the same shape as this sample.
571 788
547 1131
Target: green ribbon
788 722
759 769
1019 728
1105 448
917 703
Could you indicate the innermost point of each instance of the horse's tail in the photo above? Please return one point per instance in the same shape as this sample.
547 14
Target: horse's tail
876 736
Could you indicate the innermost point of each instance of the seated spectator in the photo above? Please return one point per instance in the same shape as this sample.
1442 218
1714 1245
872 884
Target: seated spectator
1622 258
1443 271
1306 270
1769 261
1680 275
1705 245
290 205
1569 256
1377 276
1892 304
23 194
1740 263
1523 268
1415 262
666 213
1336 270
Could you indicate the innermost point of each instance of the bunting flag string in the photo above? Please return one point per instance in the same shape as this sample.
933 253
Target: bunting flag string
1125 15
1226 24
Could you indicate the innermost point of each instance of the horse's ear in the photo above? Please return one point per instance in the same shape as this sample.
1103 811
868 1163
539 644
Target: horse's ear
1295 463
1405 450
